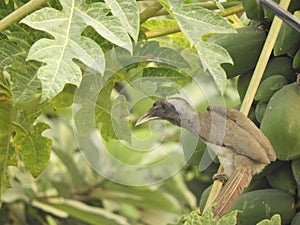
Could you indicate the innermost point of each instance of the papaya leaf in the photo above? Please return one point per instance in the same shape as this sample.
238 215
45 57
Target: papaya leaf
275 220
5 134
23 75
13 52
208 218
128 13
195 22
34 148
25 86
211 55
68 44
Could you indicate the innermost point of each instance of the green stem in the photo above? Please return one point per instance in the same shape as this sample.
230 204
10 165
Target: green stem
20 13
232 10
262 61
212 5
150 11
158 33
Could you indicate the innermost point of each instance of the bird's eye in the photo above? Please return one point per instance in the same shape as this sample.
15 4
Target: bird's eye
164 106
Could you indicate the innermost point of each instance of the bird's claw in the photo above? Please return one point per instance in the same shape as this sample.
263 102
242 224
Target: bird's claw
221 177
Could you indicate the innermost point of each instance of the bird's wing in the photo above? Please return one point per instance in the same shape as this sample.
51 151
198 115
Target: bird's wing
246 124
217 129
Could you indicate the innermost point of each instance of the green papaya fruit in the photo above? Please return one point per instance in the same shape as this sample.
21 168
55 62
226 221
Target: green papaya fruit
269 86
243 83
261 204
243 47
281 123
288 39
256 184
269 169
253 10
281 66
260 110
275 66
296 219
283 179
296 169
296 60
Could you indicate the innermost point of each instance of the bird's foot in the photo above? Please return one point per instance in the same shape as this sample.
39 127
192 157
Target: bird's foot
221 177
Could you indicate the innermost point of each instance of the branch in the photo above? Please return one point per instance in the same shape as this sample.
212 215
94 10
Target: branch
158 33
232 10
212 5
150 11
20 13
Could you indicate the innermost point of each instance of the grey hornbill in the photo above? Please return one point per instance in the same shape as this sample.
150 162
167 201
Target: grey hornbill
241 147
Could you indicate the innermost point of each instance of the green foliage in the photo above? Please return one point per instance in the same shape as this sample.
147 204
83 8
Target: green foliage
194 219
197 22
69 44
121 67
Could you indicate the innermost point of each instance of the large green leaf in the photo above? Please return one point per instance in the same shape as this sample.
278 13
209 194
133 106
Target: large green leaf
211 55
6 117
25 83
128 13
195 22
5 134
13 52
34 148
23 76
68 44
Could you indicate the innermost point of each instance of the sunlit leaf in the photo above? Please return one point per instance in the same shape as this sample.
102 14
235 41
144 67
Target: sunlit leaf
275 220
212 56
128 13
68 44
195 22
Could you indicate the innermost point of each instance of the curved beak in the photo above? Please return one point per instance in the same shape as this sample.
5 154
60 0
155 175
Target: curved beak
150 115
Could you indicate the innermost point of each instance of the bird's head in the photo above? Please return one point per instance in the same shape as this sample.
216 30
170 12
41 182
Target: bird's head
176 110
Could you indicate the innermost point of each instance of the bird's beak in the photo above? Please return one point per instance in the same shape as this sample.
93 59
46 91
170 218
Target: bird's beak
150 115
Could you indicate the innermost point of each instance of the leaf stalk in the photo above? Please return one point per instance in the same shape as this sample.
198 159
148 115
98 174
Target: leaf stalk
20 13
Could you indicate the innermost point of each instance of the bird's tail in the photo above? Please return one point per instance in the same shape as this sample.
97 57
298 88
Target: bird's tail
239 180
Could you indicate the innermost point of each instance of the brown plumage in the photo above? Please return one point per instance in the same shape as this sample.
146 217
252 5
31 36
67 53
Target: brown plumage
241 147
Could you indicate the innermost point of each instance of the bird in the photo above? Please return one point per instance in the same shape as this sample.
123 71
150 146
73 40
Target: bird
241 147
